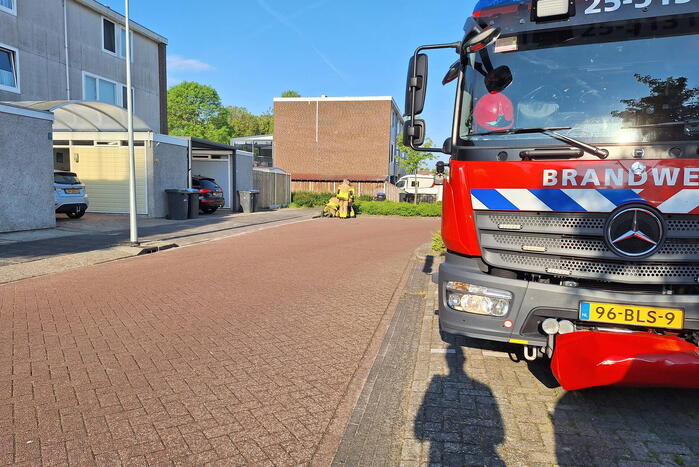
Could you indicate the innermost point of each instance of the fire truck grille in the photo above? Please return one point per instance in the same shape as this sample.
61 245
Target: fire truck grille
572 246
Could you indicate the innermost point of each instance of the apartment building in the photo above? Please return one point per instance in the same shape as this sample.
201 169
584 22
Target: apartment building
323 140
76 50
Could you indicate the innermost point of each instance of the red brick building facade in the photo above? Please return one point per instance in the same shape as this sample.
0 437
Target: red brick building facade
323 140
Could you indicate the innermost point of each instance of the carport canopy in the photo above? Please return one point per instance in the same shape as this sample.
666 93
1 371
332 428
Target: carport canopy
86 116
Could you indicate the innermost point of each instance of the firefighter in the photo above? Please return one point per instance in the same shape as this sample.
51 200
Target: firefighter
332 209
345 193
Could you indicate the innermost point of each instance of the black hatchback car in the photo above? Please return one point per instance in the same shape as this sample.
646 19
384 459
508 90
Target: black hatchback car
210 194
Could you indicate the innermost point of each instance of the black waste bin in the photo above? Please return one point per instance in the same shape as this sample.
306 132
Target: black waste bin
247 203
177 204
255 200
380 196
193 211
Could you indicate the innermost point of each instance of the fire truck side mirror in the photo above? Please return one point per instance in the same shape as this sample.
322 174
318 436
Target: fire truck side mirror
414 133
416 86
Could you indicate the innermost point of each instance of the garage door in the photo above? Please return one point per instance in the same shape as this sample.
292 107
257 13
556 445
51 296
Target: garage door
105 173
218 169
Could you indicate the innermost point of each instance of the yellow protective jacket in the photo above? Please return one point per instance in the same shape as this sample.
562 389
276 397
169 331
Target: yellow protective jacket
345 192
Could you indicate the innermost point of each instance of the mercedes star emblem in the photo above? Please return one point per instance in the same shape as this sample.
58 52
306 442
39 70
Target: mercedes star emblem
635 231
638 168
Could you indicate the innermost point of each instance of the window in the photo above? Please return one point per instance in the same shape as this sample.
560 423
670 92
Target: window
124 97
65 178
9 73
109 41
114 38
8 6
103 90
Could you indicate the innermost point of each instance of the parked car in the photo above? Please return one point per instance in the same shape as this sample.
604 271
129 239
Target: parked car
70 195
210 194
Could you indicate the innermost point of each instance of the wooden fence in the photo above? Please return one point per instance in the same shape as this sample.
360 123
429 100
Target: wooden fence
361 188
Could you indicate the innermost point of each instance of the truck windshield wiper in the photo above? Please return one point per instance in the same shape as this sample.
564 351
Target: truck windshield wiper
653 125
552 132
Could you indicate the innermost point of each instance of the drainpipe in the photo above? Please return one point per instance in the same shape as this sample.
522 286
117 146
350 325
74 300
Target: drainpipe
189 162
65 46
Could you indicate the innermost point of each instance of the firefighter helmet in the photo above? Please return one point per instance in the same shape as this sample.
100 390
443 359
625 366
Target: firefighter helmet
494 112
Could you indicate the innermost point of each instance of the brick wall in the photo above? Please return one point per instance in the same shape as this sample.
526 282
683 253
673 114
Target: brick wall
353 139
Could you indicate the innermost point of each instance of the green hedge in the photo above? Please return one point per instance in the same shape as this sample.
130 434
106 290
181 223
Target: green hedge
365 205
390 208
307 199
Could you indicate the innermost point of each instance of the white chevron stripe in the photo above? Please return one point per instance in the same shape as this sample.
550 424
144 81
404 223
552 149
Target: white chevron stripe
683 202
477 205
591 200
524 200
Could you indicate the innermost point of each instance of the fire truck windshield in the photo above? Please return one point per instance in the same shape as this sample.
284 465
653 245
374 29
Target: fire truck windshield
609 84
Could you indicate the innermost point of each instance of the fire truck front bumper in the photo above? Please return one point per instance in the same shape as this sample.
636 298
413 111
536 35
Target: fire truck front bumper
476 304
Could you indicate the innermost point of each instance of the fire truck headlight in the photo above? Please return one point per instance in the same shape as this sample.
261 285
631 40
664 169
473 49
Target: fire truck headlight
478 300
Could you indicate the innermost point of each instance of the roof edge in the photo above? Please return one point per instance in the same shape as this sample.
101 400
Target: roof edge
9 108
119 18
330 99
344 99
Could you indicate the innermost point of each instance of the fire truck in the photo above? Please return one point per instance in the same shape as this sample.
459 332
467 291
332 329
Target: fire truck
571 204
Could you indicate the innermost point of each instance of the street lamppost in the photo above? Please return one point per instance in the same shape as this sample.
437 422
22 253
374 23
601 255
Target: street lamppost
133 214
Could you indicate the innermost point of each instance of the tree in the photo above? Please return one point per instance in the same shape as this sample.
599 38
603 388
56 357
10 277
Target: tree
195 110
265 123
291 93
412 161
242 122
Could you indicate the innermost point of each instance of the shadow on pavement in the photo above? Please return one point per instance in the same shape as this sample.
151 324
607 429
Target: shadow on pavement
463 426
612 426
91 240
429 263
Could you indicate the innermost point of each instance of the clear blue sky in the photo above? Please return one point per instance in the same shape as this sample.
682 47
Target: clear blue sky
252 50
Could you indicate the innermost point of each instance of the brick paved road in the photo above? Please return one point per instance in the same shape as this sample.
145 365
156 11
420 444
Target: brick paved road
237 351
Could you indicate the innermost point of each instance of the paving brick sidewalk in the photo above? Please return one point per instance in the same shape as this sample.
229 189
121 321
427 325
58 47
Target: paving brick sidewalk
471 403
238 351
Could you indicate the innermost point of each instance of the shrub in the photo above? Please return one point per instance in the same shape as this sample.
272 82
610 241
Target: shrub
438 245
365 198
391 208
307 199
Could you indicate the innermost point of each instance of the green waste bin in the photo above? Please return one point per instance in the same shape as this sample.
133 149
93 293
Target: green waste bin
177 204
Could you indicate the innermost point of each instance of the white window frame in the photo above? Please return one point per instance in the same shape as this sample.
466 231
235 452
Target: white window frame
118 43
13 10
15 54
119 89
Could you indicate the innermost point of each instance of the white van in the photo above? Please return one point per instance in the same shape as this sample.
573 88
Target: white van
425 186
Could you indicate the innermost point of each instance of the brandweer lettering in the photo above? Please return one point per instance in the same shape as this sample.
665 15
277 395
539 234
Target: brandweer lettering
666 176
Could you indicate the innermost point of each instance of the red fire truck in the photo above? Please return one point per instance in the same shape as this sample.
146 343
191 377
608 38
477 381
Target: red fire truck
571 205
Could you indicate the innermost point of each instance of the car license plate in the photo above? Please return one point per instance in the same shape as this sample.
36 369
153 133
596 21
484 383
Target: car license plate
631 315
72 191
